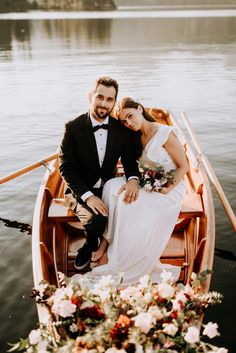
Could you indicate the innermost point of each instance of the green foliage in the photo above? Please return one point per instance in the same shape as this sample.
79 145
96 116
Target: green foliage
16 5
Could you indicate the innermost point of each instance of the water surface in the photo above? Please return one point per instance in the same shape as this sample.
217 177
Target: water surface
177 60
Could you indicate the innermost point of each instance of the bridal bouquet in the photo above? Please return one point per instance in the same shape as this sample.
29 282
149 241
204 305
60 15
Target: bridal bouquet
155 178
142 318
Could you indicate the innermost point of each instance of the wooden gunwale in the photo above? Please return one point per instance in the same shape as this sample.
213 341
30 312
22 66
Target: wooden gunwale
198 233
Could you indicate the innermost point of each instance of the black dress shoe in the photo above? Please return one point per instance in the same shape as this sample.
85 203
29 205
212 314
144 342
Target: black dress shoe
83 257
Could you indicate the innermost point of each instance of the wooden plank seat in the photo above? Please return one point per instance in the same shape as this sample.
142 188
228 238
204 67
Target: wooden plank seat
59 211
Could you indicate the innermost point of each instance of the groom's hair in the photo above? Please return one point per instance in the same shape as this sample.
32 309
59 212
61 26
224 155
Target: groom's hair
108 82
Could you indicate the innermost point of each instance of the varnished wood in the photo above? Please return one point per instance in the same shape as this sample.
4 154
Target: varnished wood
59 211
191 245
210 172
29 168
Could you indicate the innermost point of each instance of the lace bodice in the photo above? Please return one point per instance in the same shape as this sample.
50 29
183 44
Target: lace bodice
154 151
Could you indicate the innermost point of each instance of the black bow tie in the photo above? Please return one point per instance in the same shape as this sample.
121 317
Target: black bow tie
102 126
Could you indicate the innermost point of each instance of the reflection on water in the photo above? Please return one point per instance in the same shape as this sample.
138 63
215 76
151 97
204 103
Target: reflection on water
46 69
77 33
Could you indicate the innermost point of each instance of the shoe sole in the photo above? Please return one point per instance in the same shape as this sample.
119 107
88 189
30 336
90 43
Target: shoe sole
81 267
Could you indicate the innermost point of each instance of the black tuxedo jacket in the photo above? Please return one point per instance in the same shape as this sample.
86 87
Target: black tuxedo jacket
79 163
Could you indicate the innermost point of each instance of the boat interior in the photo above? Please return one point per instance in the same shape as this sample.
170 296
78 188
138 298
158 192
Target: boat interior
60 232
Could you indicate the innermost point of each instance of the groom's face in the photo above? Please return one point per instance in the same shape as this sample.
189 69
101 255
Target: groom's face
102 101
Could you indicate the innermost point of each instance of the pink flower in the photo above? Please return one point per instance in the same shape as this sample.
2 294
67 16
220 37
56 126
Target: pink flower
144 322
166 290
170 329
63 308
210 330
192 335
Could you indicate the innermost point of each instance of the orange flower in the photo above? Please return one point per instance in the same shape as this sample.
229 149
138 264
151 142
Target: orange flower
124 321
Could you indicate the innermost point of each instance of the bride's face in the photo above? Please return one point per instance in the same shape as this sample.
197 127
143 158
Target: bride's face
131 118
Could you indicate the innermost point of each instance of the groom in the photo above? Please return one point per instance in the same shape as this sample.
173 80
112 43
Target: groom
90 149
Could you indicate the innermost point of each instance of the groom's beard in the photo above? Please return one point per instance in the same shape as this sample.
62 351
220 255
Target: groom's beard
101 112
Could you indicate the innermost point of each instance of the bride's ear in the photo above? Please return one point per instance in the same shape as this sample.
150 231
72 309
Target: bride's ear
140 108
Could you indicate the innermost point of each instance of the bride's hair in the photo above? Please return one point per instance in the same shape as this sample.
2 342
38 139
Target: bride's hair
128 102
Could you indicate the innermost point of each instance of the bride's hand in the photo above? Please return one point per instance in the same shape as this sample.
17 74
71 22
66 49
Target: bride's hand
131 190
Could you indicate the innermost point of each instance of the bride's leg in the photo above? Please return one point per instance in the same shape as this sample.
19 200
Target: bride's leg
97 255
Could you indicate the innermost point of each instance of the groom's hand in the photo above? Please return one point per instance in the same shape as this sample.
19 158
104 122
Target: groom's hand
131 190
97 205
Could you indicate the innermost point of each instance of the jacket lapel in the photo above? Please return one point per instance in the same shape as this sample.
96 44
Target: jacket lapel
90 139
111 138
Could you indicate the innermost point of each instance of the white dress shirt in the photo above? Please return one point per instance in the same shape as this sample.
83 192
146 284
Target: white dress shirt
101 142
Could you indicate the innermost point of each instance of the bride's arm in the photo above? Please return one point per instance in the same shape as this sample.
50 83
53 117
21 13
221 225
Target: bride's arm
176 151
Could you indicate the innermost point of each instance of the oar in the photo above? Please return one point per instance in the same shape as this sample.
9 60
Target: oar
29 168
210 172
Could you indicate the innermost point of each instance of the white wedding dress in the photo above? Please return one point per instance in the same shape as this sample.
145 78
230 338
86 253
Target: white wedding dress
139 232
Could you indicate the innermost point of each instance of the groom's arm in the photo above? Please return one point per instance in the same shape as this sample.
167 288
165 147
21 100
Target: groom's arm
69 164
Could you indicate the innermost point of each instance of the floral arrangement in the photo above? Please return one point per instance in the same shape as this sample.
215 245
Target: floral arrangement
106 318
155 178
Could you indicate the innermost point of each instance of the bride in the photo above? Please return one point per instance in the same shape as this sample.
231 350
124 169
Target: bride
138 232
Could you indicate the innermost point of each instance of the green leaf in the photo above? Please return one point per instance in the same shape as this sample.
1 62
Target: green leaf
196 283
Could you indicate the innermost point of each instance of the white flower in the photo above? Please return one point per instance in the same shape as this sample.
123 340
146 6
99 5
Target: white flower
179 300
35 337
138 348
131 292
157 184
193 276
144 321
222 350
63 308
210 330
41 288
73 327
167 277
148 187
42 346
144 281
115 350
170 329
104 282
155 312
166 290
103 287
219 350
64 293
147 298
188 290
192 335
61 276
181 297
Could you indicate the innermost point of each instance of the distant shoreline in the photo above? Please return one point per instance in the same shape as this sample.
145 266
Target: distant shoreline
178 7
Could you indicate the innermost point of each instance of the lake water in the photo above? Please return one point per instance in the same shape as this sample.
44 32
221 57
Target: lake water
177 60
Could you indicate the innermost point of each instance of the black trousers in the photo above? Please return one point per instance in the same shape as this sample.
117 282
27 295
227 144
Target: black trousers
94 224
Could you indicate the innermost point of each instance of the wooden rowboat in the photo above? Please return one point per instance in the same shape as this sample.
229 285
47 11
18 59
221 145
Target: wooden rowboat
57 232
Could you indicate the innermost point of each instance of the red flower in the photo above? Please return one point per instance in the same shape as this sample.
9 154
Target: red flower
93 312
119 333
76 300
